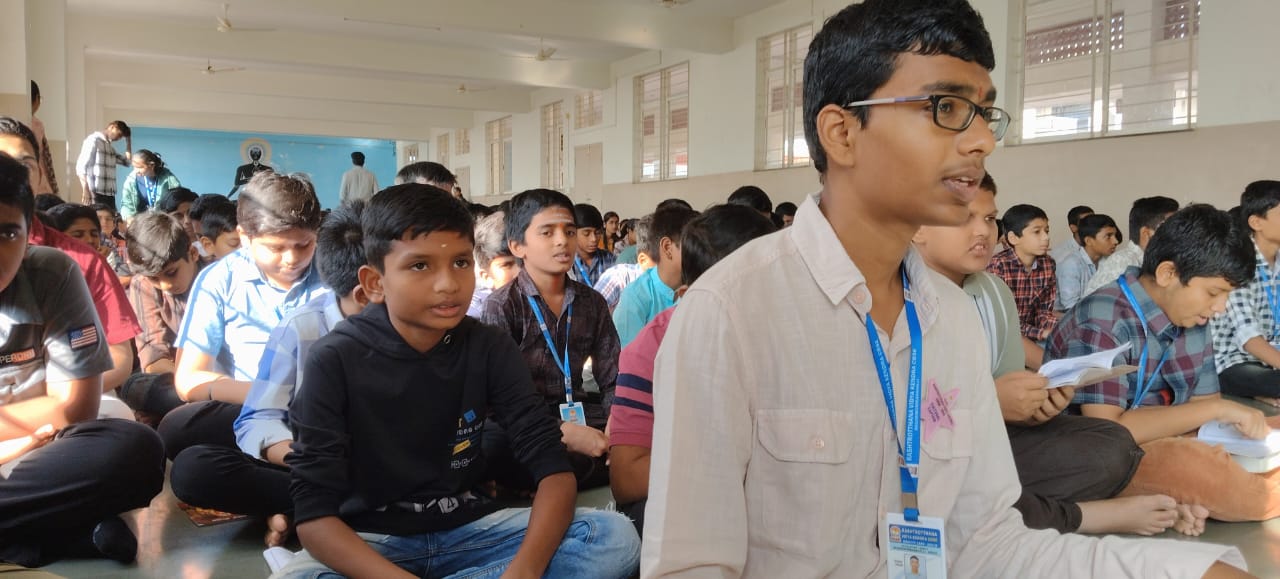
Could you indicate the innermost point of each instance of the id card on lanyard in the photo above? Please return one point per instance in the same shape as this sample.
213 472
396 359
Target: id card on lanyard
570 411
1143 381
916 543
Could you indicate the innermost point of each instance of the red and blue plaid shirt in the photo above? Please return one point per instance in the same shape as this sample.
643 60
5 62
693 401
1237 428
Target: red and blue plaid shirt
1034 291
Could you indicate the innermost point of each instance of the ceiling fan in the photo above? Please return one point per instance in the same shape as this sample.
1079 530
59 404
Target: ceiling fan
224 23
544 54
672 3
464 89
210 69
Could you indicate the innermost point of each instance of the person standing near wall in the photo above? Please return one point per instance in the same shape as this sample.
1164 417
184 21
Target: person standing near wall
358 182
96 165
43 179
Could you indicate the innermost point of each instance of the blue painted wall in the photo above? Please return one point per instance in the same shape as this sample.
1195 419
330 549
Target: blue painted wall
206 161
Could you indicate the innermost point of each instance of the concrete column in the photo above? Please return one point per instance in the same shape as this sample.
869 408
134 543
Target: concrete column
14 98
47 65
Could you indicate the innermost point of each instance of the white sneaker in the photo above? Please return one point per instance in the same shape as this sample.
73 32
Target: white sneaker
277 558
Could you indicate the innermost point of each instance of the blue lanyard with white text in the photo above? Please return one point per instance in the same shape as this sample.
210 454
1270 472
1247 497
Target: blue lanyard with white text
582 270
150 190
1143 387
561 364
908 457
1273 300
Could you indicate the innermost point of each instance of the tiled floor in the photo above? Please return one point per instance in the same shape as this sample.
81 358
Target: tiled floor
171 547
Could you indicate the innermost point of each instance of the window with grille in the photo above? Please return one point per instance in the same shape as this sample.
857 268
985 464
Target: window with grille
553 146
1098 68
442 149
779 103
588 109
662 124
498 141
463 141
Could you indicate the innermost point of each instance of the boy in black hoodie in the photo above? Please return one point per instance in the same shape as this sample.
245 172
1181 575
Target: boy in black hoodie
386 454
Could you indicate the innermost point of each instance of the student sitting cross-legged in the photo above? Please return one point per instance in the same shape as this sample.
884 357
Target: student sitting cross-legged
551 316
1190 266
705 241
64 474
388 422
253 478
235 304
1070 466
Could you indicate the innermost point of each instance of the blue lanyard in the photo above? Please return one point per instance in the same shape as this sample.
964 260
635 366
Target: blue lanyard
582 271
1273 299
149 189
908 457
1148 335
561 364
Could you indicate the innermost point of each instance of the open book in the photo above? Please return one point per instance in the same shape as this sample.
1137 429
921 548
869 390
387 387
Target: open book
1214 432
1086 370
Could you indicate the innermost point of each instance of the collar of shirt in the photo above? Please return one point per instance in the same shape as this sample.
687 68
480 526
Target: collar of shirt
1156 319
658 287
526 286
253 273
1010 256
1262 262
332 309
840 278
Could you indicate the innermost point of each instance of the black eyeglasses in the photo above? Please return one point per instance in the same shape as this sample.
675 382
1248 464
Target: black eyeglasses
951 112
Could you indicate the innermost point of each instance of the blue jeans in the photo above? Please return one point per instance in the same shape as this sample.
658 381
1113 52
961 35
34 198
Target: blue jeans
598 544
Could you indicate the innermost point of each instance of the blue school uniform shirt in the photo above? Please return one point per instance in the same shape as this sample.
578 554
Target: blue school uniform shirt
641 301
233 308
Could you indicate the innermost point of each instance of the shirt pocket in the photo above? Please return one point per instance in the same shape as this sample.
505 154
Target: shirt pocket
952 443
800 486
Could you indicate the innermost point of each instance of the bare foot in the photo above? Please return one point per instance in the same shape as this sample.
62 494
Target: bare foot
1191 520
1141 515
278 529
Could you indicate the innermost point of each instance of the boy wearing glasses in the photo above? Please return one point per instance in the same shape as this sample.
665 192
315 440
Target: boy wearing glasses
769 429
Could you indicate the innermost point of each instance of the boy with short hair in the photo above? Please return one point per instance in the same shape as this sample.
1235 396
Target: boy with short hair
1097 234
1193 263
774 450
550 315
1145 218
705 240
655 290
1030 274
1247 338
1071 244
66 474
590 261
253 479
218 235
177 202
82 223
387 460
235 304
495 266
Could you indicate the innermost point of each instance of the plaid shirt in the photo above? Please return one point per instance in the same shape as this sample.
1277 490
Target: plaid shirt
593 336
602 260
616 279
160 315
1105 319
1248 316
97 164
1034 291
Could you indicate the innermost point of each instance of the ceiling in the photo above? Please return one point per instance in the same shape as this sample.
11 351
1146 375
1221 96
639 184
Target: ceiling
395 67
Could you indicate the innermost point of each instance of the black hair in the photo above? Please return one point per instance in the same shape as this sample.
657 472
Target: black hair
47 201
205 201
586 215
530 203
786 208
121 126
155 240
15 187
1017 218
340 248
35 92
357 158
426 172
1202 241
753 197
716 233
988 184
66 215
668 223
15 127
1149 212
613 214
1258 198
1077 213
150 157
674 202
479 210
174 198
218 218
411 209
491 242
856 52
272 203
1092 225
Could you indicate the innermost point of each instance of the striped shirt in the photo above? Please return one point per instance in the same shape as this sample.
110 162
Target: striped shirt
631 419
97 164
